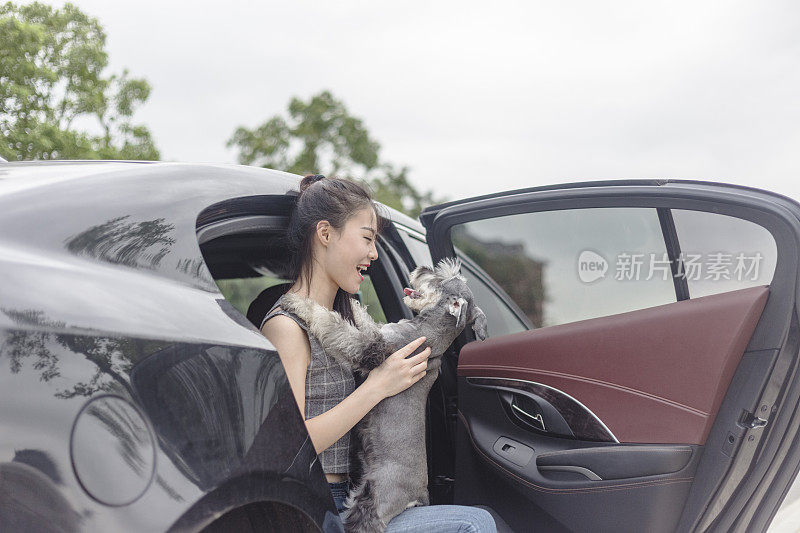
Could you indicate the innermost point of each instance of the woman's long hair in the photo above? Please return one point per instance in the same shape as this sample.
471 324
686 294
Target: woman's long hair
331 199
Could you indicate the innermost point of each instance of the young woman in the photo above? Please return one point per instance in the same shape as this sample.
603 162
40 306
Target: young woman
332 236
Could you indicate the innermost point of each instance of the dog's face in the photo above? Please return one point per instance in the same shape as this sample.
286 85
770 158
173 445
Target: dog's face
425 289
431 286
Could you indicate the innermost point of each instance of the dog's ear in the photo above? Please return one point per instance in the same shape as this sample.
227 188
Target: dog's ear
458 308
478 320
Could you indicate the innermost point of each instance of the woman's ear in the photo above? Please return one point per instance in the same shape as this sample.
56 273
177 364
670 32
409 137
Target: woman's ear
324 232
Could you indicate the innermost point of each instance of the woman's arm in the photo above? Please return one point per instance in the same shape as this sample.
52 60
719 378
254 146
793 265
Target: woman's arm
292 344
395 375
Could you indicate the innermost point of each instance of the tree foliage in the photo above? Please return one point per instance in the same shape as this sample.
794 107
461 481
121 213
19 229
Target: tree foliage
320 136
52 82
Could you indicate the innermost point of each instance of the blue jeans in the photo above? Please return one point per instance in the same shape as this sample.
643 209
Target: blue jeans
430 518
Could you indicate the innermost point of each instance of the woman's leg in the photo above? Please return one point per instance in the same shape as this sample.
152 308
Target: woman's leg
442 519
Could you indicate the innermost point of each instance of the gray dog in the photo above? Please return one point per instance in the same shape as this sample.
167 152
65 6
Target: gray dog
393 458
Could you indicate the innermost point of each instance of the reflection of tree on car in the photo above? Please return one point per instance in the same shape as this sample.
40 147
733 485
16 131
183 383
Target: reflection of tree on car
181 390
125 242
113 357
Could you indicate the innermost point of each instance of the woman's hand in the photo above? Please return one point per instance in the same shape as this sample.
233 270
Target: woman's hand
397 373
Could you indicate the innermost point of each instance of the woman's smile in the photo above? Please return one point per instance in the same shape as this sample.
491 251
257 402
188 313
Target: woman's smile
361 268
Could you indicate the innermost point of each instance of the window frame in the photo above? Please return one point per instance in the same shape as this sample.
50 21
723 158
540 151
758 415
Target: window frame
669 238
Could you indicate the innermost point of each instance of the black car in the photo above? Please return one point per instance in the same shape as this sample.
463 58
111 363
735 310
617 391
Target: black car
639 375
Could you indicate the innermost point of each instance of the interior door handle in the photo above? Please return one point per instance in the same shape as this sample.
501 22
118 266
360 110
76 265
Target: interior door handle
535 420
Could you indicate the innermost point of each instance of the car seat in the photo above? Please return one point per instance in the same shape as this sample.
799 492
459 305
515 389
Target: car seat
264 302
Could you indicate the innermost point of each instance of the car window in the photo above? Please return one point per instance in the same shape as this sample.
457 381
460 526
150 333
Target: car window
417 248
722 253
368 297
500 320
568 265
241 292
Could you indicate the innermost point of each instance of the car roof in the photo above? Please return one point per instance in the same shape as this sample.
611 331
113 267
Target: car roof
28 175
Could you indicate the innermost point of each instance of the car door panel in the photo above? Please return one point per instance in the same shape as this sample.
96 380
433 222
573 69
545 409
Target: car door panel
685 390
653 375
530 498
648 401
606 464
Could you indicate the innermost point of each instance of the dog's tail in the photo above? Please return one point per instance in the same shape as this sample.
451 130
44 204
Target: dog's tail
361 515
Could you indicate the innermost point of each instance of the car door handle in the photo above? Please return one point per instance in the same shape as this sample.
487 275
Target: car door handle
535 420
533 413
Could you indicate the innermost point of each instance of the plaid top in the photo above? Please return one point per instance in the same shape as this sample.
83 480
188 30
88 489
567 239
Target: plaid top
327 384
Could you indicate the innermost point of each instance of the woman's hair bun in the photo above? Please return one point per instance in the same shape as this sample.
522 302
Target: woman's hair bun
309 180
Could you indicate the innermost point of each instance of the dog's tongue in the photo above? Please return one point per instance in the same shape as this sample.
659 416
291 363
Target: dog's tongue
407 291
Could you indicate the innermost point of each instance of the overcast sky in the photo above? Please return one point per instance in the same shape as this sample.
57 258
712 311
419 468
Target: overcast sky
480 97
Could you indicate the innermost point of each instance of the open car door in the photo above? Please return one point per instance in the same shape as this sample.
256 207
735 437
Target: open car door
642 373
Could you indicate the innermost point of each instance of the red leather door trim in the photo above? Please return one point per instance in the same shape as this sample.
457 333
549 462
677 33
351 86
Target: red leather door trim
656 375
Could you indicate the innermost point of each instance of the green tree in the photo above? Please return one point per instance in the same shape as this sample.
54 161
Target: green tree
321 136
52 64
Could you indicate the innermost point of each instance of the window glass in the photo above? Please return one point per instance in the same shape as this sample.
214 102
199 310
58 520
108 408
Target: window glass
563 266
723 253
500 320
241 292
418 249
368 296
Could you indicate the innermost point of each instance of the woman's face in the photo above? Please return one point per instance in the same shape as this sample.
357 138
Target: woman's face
351 250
